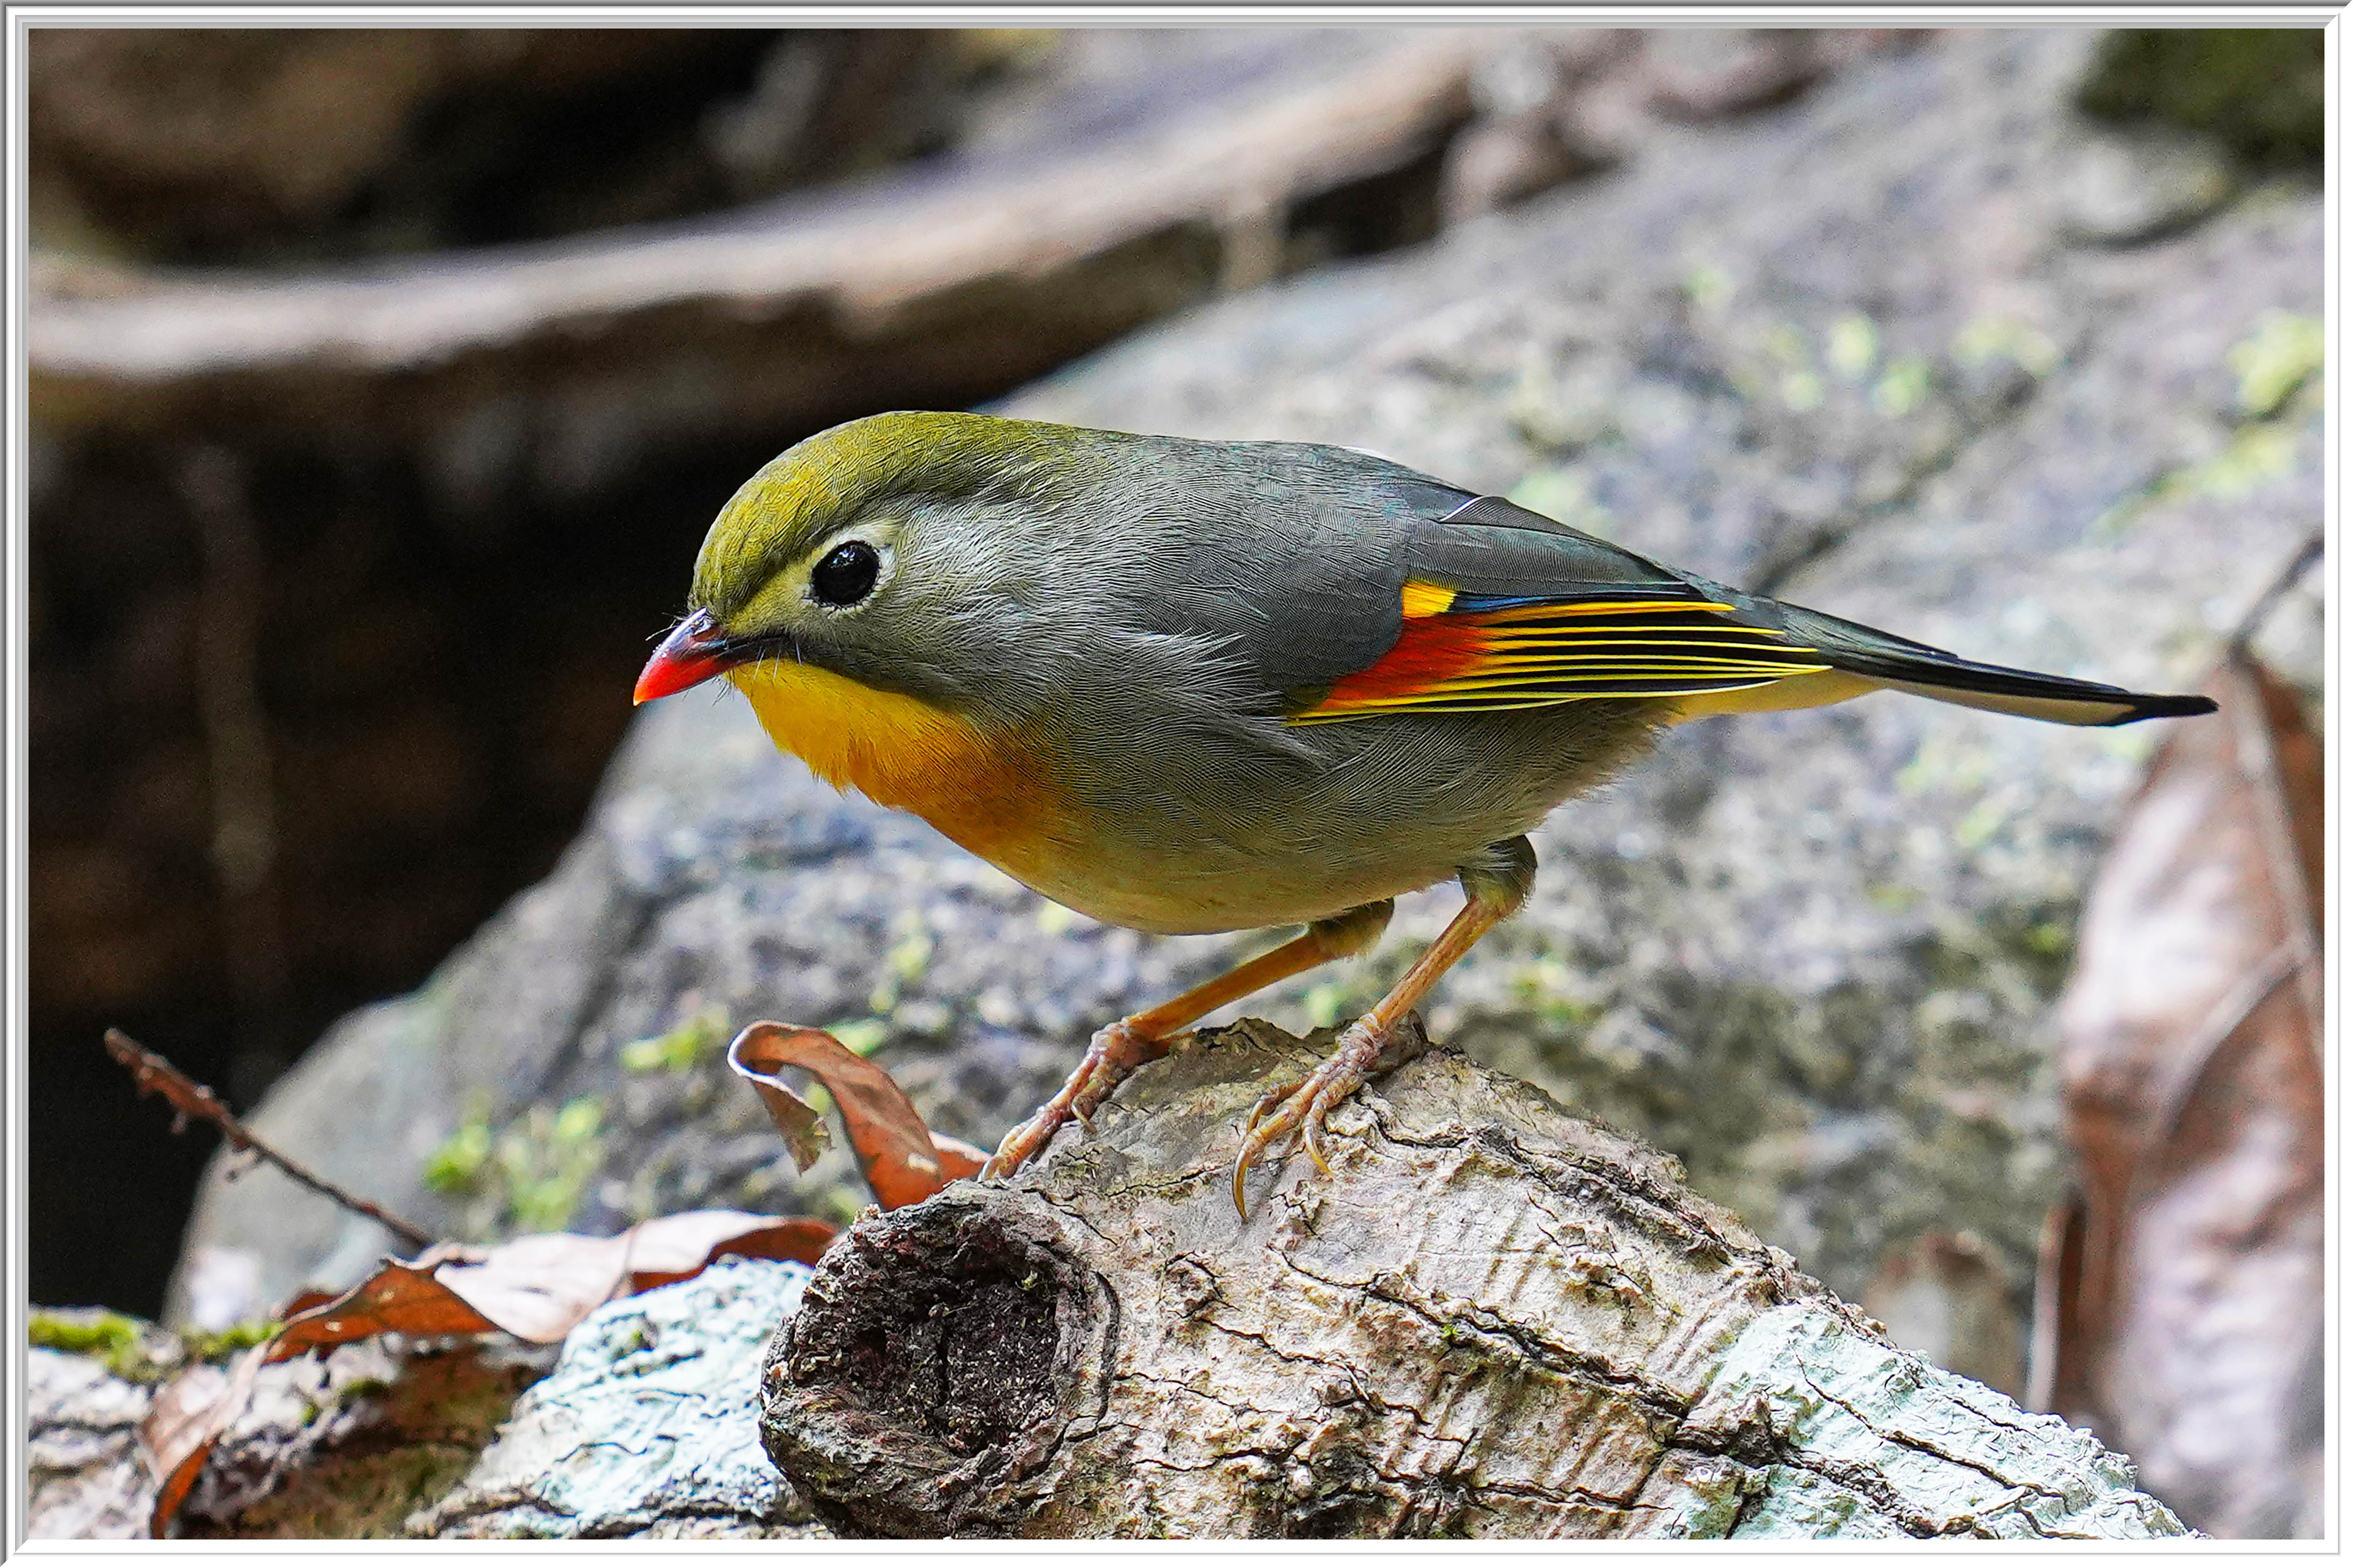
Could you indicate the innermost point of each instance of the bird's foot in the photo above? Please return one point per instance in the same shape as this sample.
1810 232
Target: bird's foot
1301 1104
1116 1050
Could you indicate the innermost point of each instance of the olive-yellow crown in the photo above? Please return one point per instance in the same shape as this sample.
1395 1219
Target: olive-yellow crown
805 494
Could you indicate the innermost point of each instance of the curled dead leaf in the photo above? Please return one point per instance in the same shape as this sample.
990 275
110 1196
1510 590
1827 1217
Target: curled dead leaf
2179 1304
397 1299
538 1288
905 1161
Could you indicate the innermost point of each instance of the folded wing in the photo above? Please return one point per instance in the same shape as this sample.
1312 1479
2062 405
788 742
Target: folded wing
1502 609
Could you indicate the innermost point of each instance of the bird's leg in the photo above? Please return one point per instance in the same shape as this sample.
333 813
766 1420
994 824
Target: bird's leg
1119 1048
1494 890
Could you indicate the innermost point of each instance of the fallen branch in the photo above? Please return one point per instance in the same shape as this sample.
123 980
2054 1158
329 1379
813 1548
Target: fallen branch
189 1098
924 288
1493 1318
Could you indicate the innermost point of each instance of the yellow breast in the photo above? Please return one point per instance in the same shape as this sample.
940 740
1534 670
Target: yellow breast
900 751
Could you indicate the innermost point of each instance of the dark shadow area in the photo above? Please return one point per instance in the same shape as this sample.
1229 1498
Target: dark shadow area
438 705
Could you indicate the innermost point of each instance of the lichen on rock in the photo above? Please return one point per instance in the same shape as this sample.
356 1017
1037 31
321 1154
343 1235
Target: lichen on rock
646 1426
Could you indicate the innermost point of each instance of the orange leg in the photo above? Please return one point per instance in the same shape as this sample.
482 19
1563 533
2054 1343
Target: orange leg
1119 1048
1493 892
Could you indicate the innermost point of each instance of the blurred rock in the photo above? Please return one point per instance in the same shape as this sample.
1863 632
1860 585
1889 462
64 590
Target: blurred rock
1812 955
1947 1300
1526 137
2128 190
1704 73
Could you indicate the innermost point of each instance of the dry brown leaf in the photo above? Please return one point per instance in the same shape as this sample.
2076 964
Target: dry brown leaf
905 1161
680 1246
189 1414
536 1288
2179 1311
302 1302
397 1299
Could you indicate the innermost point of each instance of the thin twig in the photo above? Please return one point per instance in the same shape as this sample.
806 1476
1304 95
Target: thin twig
189 1098
2268 600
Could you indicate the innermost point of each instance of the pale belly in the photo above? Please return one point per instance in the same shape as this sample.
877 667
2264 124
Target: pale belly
1180 894
1400 804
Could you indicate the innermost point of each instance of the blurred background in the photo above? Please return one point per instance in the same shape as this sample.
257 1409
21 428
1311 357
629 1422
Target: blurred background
384 381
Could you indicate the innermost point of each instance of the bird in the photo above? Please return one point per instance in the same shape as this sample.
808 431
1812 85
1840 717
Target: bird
1188 685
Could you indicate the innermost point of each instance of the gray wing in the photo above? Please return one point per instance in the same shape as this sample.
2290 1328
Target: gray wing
1316 594
1323 617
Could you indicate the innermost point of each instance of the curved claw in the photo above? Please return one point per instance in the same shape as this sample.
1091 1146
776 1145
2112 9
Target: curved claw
1301 1104
1269 1100
1116 1050
1311 1137
1018 1146
1293 1100
1242 1158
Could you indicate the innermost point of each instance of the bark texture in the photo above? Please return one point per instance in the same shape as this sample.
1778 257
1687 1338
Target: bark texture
1493 1318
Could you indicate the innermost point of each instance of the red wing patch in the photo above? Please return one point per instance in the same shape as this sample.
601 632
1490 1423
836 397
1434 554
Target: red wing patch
1428 655
1537 654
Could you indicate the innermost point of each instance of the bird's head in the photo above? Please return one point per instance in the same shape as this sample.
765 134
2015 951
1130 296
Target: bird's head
899 551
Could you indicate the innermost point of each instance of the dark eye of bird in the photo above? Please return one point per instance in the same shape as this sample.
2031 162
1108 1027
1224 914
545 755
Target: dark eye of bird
846 574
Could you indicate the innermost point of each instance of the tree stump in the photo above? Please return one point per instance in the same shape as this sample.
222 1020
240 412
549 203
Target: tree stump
1493 1318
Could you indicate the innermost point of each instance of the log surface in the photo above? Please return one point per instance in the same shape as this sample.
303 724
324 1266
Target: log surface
946 284
1494 1318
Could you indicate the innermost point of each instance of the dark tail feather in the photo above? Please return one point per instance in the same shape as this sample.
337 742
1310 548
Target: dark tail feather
2031 696
1905 665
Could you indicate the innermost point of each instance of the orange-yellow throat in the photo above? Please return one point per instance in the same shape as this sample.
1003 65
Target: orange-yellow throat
897 751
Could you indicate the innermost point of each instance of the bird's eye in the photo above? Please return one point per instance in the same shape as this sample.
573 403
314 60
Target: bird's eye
846 574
